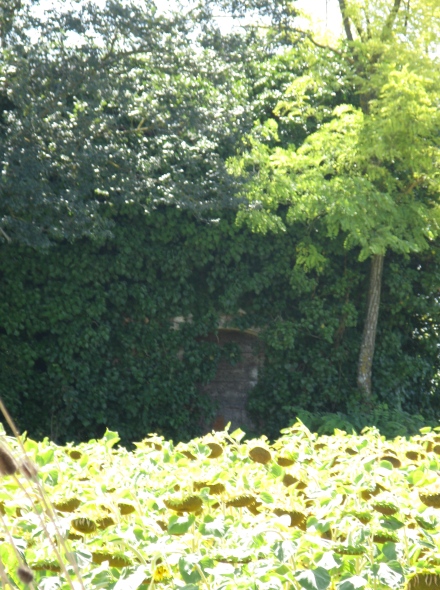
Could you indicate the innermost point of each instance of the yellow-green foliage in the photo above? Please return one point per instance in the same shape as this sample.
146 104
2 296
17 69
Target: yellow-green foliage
162 516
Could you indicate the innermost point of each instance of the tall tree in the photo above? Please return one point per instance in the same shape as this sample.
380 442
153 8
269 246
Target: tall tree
371 170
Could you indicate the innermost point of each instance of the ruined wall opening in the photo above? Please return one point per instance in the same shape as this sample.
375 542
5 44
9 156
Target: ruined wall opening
236 376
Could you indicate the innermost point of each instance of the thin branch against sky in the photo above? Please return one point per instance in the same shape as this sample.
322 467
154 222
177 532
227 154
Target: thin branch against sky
325 16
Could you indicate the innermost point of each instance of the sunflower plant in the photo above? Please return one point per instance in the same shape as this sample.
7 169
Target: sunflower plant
341 512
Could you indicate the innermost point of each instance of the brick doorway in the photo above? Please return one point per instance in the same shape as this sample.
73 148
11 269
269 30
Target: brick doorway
234 380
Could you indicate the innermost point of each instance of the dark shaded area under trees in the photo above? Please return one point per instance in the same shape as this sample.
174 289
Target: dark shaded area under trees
118 213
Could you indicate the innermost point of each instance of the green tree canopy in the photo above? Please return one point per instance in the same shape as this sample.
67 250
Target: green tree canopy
101 109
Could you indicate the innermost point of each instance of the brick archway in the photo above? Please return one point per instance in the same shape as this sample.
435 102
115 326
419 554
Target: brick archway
233 381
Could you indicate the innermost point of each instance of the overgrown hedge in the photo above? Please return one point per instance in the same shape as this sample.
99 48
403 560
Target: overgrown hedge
87 341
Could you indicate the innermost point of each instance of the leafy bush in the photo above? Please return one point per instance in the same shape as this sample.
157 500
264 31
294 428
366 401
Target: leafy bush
389 421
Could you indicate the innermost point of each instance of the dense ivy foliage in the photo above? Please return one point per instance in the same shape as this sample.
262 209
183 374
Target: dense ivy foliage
87 339
312 372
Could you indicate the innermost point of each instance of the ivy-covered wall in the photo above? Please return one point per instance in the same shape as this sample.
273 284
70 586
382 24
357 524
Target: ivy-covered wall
87 341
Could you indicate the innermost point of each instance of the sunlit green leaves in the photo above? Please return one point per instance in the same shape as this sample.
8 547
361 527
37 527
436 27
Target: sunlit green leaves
111 438
353 583
314 579
222 545
189 569
178 525
369 170
390 574
284 550
213 526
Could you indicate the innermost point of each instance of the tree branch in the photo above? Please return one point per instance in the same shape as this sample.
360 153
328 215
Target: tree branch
359 31
345 20
367 20
5 235
413 184
391 18
112 46
306 34
309 36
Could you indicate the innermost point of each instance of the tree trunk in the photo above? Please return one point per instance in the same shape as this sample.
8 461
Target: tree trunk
365 363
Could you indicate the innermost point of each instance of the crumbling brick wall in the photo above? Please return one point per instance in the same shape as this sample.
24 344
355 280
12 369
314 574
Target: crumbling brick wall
233 381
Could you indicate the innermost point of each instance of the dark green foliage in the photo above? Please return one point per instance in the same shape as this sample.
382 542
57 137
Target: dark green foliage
142 117
312 372
391 422
87 339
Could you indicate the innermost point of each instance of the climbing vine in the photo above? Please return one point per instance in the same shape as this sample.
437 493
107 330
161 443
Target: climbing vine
87 338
